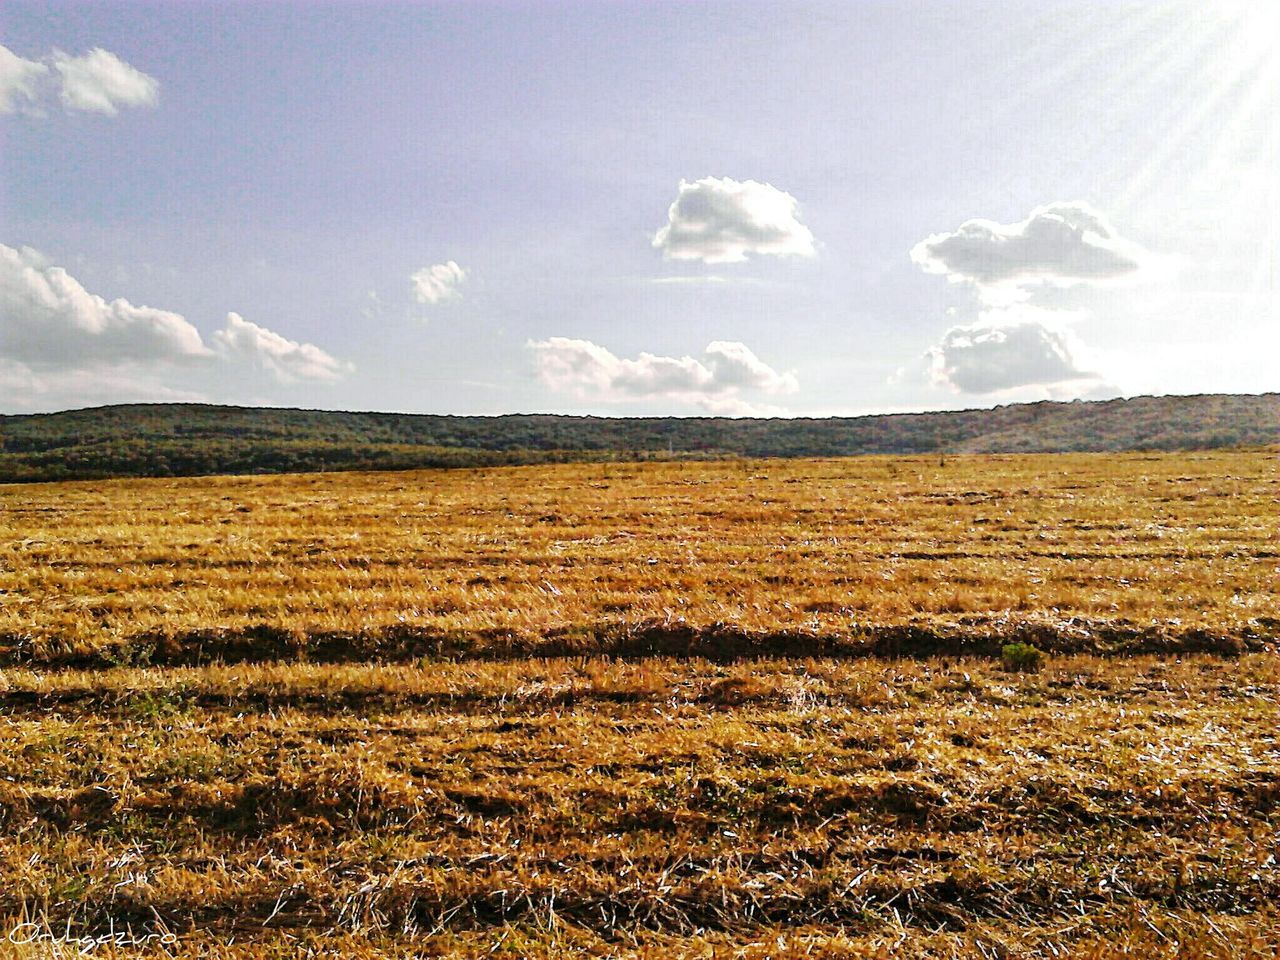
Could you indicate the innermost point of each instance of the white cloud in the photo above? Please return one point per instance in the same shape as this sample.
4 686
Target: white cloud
1006 350
23 390
437 283
48 320
1014 349
591 372
94 82
689 280
287 359
62 345
734 365
20 81
1061 243
100 82
17 379
719 220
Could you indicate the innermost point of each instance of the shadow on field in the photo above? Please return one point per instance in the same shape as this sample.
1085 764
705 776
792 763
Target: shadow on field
969 637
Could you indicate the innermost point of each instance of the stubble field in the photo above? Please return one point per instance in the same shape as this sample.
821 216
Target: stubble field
703 709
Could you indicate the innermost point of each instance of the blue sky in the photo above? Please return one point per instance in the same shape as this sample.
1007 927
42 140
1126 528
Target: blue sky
645 208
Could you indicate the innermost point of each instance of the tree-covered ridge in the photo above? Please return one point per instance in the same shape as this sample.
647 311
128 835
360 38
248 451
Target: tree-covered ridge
197 439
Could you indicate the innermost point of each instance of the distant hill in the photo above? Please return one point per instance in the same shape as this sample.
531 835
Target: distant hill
196 439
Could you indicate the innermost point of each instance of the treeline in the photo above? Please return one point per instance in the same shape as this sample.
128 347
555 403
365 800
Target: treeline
198 439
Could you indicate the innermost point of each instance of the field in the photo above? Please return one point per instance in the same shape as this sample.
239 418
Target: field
736 708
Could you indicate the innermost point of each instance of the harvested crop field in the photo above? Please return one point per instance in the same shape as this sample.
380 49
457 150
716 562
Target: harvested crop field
1083 553
755 709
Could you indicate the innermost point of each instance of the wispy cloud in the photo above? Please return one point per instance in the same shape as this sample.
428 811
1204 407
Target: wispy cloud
710 278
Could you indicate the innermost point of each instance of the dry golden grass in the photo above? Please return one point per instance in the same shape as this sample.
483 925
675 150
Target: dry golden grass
1093 550
611 805
365 754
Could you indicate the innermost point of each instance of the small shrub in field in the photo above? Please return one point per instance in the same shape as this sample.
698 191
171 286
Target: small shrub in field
1021 657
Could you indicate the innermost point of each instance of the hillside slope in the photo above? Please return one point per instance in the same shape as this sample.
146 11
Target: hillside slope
197 439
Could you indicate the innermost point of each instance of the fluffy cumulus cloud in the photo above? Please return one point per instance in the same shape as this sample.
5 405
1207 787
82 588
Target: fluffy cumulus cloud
48 319
1006 350
100 82
719 220
715 382
286 359
59 341
438 283
93 82
20 81
1061 243
1014 345
735 366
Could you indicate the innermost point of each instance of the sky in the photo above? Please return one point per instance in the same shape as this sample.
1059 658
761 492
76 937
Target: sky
647 208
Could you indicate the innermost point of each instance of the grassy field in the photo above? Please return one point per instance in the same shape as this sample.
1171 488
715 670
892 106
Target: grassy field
718 709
